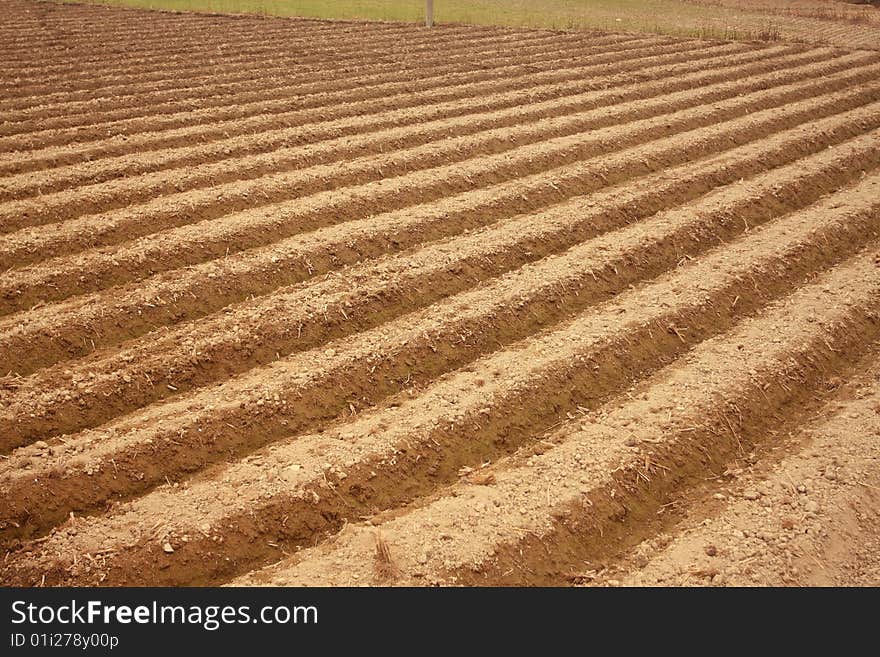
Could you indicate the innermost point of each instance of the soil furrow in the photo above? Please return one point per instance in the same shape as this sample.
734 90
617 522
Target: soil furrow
355 78
201 78
472 415
38 338
284 99
800 515
292 35
102 32
263 122
228 77
520 121
545 143
299 302
537 102
74 396
298 48
552 515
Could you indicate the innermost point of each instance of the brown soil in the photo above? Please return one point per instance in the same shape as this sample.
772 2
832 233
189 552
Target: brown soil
561 309
847 23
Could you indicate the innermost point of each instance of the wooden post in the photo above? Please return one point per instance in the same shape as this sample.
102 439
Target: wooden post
429 13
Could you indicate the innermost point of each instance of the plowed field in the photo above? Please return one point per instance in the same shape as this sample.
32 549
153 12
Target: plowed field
300 302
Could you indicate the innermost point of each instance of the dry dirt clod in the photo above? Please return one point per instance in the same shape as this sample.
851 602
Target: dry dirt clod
482 478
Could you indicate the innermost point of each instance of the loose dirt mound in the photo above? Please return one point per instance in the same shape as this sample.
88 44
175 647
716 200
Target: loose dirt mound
315 304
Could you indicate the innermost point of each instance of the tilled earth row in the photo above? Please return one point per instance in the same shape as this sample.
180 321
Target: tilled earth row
313 305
